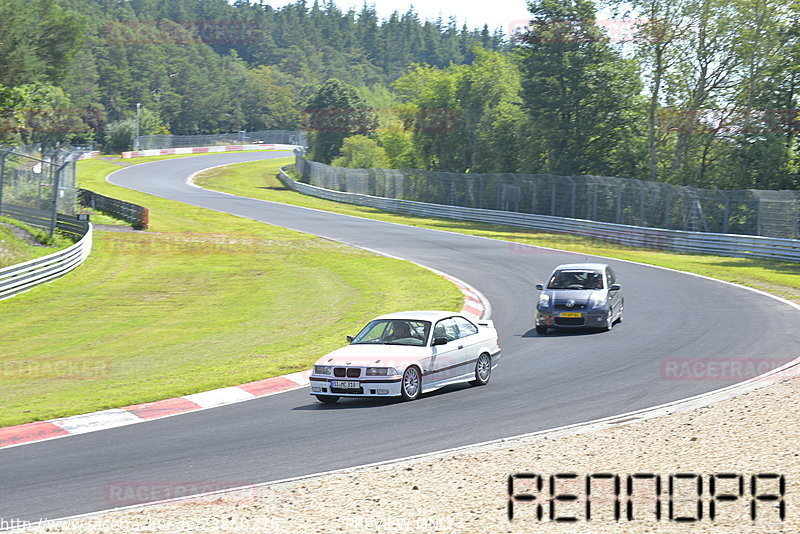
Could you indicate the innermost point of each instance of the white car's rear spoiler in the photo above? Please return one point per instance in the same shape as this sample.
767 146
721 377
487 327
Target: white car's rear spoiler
487 322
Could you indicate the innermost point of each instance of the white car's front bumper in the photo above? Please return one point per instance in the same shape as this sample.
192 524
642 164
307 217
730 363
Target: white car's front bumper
368 386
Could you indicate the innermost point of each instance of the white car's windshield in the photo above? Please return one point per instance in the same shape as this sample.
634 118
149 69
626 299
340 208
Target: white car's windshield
576 280
394 332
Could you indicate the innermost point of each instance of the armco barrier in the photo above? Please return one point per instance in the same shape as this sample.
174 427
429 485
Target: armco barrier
23 276
676 240
136 215
204 150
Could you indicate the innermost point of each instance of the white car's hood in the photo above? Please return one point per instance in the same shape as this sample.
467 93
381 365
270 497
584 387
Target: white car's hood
368 355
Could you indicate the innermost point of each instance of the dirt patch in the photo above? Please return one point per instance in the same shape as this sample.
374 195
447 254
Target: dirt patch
23 235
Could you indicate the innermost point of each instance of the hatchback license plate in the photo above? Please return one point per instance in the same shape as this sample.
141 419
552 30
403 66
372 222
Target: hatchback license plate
340 384
570 314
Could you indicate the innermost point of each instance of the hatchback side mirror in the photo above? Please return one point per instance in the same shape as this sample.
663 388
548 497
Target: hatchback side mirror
439 341
614 287
350 339
539 286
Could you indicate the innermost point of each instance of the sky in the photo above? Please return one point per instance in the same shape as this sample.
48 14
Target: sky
504 14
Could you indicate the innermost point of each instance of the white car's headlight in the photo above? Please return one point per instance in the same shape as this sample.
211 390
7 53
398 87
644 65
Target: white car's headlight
322 369
381 371
544 300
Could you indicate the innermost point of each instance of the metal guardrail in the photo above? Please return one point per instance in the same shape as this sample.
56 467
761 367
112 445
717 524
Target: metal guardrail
23 276
138 216
675 240
283 137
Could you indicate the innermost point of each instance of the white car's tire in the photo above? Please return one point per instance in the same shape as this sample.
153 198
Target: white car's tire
483 370
327 399
411 384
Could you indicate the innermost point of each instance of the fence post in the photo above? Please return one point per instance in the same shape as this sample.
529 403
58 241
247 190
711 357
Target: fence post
726 213
56 180
3 156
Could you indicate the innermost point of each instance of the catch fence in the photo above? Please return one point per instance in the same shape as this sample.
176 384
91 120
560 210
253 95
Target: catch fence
592 198
36 186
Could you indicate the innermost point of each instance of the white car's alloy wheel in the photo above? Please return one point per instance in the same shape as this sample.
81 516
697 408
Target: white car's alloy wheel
411 385
483 370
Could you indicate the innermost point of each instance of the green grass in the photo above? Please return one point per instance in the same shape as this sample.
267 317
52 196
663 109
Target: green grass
257 179
203 300
15 249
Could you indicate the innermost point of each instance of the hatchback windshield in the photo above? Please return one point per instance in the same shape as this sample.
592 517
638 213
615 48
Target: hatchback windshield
394 332
576 280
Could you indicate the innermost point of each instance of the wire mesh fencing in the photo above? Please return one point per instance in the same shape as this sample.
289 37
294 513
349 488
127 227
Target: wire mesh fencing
36 186
268 137
594 198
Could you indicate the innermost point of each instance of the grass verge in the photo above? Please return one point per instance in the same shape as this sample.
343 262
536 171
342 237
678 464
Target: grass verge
203 300
20 242
257 180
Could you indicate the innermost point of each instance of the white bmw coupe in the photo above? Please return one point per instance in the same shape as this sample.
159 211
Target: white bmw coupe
406 354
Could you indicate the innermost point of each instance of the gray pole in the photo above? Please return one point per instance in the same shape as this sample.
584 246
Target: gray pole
2 174
136 138
56 180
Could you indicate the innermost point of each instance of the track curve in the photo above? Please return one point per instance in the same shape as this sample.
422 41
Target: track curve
543 382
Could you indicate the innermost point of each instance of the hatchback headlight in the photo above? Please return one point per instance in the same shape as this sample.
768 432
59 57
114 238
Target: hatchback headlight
381 371
544 300
322 369
598 302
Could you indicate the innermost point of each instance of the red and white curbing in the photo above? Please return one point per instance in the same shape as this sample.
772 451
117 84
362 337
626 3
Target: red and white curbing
90 154
203 150
475 306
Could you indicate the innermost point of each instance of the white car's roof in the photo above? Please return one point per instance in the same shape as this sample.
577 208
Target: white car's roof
423 315
582 266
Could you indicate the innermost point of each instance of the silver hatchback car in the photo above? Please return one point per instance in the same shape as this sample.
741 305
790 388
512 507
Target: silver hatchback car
580 295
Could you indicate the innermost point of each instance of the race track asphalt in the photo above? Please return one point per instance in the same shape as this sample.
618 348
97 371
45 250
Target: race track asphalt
541 383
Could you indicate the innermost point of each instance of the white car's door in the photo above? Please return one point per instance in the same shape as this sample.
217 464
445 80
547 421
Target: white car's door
448 359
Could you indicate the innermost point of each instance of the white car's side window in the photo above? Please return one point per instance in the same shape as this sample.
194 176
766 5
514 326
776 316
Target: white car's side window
465 328
446 328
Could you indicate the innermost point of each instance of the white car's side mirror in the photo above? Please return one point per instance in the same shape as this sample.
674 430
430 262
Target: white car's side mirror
539 286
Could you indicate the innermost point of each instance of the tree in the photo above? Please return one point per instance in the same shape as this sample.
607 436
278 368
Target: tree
267 100
37 113
335 112
580 96
361 152
120 134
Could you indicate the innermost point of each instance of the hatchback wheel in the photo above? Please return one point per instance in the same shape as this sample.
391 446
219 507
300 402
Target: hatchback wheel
483 370
541 330
411 386
327 399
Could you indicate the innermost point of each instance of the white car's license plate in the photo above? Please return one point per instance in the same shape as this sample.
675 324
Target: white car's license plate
341 384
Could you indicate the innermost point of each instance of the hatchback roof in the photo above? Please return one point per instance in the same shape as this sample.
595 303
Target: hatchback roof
581 267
